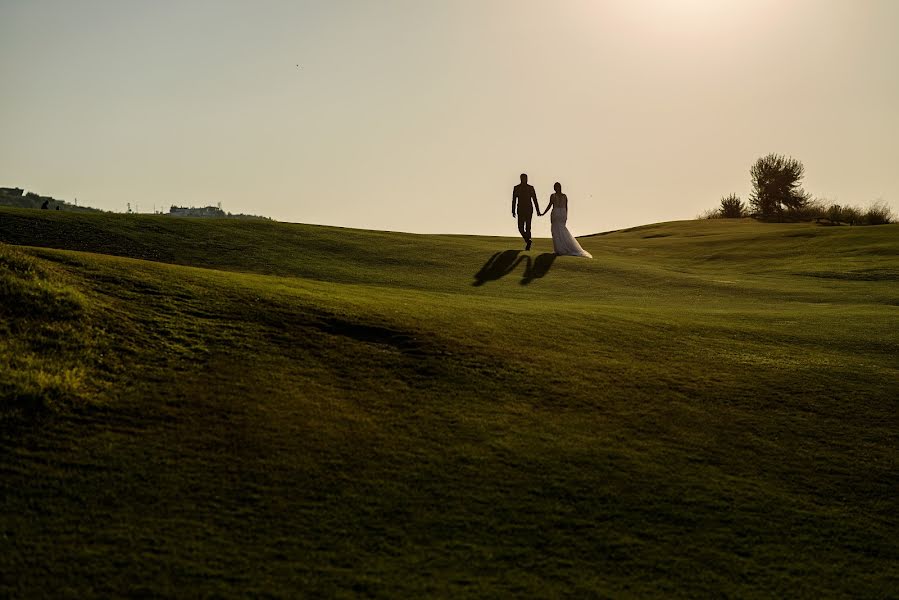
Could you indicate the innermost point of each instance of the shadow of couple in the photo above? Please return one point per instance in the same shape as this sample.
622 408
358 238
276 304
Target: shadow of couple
502 263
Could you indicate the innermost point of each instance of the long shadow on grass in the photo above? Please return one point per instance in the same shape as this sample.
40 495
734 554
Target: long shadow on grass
502 263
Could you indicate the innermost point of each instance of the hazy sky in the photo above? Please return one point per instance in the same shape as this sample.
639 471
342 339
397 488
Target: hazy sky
419 115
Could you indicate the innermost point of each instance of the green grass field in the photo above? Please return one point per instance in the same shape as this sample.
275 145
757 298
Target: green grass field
248 408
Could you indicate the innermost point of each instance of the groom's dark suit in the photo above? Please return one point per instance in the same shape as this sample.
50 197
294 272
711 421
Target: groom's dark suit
524 199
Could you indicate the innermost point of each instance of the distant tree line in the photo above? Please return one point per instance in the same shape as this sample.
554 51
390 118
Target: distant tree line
777 195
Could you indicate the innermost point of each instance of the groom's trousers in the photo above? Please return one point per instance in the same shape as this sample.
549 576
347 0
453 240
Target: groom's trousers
524 225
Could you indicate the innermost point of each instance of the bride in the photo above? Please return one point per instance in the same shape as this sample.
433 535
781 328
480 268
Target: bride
564 243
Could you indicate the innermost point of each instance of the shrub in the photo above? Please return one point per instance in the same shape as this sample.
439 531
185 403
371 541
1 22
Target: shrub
878 214
834 212
842 214
813 209
732 207
851 215
776 185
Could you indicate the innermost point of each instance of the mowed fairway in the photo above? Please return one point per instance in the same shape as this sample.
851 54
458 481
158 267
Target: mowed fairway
242 408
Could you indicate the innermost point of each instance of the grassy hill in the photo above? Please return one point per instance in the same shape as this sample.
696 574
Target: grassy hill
14 197
255 408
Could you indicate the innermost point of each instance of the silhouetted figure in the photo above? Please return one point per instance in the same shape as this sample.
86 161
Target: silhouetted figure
524 199
45 205
564 244
57 207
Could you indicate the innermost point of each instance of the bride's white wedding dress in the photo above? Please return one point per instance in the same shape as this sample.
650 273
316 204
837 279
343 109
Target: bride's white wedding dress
564 244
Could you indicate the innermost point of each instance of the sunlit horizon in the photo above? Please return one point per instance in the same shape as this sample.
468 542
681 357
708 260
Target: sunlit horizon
419 117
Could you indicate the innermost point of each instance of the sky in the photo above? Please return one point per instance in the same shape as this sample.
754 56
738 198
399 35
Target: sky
419 115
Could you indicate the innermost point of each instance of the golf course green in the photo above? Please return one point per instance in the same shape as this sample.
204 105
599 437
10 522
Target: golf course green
239 408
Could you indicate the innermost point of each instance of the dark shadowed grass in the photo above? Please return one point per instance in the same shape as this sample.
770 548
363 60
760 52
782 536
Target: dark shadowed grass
707 408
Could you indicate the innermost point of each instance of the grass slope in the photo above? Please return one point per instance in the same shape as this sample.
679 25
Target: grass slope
254 408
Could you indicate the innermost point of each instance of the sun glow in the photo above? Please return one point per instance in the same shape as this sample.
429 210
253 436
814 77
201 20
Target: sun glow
688 6
695 14
684 17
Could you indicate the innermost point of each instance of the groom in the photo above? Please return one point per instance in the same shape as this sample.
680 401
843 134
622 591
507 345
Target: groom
524 199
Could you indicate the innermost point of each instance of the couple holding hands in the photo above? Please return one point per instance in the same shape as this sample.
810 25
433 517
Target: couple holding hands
524 201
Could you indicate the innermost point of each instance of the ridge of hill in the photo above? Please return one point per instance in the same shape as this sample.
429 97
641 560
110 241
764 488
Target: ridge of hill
245 408
18 198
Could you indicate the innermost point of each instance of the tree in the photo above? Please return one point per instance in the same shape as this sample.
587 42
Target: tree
732 207
775 185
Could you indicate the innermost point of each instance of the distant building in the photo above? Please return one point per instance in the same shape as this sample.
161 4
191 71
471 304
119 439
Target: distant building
206 211
15 192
